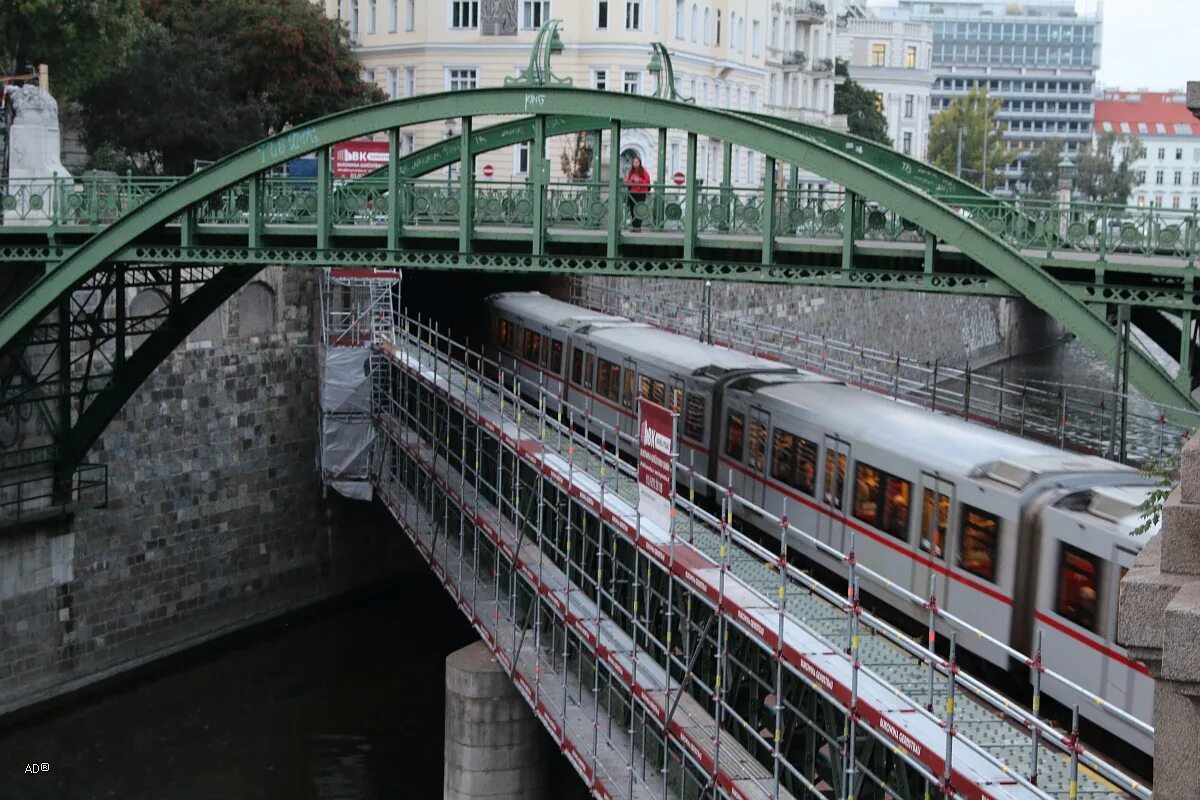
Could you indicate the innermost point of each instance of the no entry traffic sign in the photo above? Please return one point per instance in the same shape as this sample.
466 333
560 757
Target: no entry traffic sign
488 171
678 178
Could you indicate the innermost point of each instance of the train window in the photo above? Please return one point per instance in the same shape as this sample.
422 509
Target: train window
533 347
935 525
835 477
589 370
608 379
677 399
627 384
693 420
882 500
758 445
1079 576
735 424
556 355
577 368
508 336
795 461
977 545
645 387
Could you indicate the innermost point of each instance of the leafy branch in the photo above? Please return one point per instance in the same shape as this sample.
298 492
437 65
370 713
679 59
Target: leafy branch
1165 470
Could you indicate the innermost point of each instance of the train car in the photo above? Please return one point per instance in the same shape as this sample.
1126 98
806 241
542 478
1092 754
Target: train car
1085 549
992 518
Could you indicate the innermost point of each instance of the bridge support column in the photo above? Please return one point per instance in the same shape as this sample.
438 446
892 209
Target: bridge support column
495 747
1159 621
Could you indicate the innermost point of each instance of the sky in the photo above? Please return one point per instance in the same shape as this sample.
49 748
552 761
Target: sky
1148 44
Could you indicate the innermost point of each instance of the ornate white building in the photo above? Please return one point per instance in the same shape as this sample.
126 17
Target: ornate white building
727 54
894 59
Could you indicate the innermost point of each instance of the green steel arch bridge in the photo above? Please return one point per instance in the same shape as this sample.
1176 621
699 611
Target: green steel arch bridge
71 349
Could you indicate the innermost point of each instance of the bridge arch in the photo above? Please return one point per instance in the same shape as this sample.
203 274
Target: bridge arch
773 140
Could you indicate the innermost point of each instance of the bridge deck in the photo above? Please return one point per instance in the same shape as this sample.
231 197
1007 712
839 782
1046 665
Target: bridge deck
893 681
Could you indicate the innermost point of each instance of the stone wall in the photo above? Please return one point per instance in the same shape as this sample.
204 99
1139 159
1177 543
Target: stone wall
953 328
215 519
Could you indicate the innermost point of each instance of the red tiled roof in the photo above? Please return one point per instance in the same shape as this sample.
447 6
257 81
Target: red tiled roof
1145 114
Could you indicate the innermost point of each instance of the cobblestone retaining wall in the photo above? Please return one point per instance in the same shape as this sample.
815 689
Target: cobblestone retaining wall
215 521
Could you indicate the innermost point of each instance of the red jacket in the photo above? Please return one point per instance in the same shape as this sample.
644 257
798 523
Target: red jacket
638 183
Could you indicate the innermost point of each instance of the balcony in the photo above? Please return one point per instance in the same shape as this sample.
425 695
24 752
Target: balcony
821 65
809 11
794 59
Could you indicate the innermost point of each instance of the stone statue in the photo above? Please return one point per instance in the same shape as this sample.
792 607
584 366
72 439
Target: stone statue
34 156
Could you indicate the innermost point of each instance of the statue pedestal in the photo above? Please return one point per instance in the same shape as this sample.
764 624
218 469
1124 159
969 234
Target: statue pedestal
1158 619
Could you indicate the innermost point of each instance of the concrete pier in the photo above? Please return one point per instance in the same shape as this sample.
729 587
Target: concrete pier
495 747
1159 621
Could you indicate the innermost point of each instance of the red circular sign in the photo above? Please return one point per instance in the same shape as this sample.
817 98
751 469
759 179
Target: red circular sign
678 178
488 171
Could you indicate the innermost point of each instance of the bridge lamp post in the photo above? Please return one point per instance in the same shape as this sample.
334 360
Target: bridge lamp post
1066 182
450 134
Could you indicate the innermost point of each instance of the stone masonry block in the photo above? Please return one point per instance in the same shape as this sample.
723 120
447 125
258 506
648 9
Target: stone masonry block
1181 536
1181 645
1189 471
1144 595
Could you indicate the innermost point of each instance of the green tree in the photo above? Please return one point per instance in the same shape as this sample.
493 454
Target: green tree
1098 176
1041 170
80 40
859 104
208 78
975 115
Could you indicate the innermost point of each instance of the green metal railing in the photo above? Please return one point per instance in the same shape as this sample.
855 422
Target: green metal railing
33 494
1046 226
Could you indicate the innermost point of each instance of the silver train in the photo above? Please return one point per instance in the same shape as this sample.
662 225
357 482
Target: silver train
1023 539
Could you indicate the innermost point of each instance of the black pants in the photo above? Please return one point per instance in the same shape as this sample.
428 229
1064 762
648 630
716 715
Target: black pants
632 200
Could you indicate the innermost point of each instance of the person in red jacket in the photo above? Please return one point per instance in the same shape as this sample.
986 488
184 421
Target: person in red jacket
638 181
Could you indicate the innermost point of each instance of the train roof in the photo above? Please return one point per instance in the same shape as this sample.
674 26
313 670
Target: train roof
535 306
678 352
946 444
1110 508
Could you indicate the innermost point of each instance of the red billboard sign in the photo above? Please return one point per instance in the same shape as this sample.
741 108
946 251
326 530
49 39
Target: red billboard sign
357 158
656 462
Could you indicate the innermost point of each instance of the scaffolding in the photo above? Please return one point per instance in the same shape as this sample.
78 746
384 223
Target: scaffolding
357 307
726 679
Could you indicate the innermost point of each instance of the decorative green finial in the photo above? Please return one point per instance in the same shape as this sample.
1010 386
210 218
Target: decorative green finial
660 65
538 72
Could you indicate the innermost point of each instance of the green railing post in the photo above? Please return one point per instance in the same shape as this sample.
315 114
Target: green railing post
394 218
324 181
660 197
930 251
690 216
254 216
614 189
723 221
1184 378
466 189
849 216
768 219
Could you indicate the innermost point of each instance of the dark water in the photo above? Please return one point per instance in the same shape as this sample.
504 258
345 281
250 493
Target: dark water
342 704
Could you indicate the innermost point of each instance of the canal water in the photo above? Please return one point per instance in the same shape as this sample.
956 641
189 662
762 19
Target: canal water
342 703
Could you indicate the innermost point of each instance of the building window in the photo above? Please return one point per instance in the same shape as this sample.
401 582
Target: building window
1179 154
1158 177
371 8
907 146
679 23
675 156
1162 153
978 542
879 102
464 14
602 15
1195 178
695 23
878 54
368 76
756 38
704 29
410 15
393 83
1179 177
908 106
534 13
1175 201
1079 576
521 159
1195 203
718 28
600 79
407 144
393 15
460 80
410 81
633 15
1139 176
631 82
754 101
910 58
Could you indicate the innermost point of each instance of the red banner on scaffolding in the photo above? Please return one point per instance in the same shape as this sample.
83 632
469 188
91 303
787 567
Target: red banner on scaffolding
357 158
656 462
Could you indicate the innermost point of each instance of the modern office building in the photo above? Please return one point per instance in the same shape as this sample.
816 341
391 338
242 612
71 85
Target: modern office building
727 54
1039 56
894 59
1166 164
